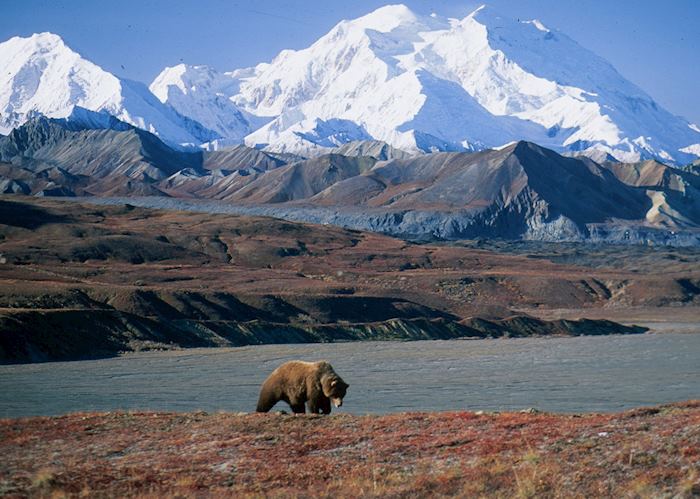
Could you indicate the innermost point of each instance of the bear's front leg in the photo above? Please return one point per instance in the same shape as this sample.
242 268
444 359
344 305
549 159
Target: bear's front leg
322 406
297 407
325 405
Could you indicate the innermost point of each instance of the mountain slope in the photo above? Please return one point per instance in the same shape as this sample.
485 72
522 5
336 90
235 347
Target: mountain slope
201 93
374 148
419 83
97 161
242 157
41 75
307 137
353 74
571 91
675 193
301 180
520 190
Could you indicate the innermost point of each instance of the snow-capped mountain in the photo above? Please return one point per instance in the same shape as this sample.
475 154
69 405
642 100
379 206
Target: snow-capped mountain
42 76
360 72
482 80
425 83
418 83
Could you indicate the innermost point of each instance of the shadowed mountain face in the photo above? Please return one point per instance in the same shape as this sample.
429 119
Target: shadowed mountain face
302 180
520 191
240 156
92 161
579 189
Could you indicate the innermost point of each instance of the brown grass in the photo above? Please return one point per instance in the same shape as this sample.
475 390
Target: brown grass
641 453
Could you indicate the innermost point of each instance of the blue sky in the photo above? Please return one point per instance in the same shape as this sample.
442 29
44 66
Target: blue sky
653 43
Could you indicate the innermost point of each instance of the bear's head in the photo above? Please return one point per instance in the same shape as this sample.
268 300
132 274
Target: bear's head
334 388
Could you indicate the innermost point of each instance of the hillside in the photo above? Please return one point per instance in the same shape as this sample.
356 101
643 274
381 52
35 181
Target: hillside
648 452
48 154
107 279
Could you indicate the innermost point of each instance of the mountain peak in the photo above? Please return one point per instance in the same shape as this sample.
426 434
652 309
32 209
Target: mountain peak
481 7
386 18
183 76
391 75
201 93
25 47
401 76
42 75
523 146
46 39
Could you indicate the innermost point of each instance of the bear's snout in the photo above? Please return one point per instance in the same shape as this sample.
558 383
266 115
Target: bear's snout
337 402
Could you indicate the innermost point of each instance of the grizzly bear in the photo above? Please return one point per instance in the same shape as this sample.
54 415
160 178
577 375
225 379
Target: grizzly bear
297 383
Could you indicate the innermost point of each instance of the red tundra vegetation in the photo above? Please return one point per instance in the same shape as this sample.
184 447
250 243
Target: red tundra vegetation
649 452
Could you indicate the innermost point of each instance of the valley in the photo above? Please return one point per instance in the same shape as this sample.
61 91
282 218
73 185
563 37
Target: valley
82 280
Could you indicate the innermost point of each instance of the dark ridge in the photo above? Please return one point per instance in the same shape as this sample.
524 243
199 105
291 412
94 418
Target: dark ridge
28 216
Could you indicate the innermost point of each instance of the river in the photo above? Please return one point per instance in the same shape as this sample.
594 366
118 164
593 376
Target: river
582 374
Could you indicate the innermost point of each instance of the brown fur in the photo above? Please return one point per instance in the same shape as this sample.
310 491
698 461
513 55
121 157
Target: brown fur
300 383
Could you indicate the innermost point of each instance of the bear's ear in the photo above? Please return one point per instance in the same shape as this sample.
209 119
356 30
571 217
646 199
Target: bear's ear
334 382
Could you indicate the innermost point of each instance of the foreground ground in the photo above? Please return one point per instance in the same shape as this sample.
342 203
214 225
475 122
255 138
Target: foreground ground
641 453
